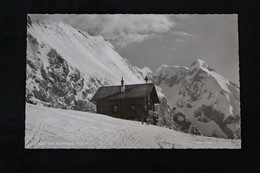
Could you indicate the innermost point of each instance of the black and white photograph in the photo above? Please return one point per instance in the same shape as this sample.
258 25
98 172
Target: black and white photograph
132 81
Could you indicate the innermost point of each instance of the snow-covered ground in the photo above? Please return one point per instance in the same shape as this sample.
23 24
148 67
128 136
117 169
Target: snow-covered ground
58 128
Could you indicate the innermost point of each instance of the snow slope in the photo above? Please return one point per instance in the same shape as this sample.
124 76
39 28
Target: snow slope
59 128
90 54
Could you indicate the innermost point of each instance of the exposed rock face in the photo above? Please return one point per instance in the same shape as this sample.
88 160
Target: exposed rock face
53 82
164 117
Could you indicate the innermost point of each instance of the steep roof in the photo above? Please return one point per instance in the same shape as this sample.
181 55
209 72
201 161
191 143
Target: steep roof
131 91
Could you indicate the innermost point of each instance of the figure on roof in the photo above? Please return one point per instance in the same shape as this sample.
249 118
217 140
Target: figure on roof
146 79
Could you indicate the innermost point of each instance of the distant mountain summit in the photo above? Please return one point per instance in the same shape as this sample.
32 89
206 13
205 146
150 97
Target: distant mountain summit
209 100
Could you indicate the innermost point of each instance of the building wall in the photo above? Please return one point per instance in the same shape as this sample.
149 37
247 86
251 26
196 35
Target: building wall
107 107
124 108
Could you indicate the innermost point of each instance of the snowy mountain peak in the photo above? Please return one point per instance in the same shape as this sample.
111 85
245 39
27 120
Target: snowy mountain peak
163 66
198 63
173 69
146 70
210 101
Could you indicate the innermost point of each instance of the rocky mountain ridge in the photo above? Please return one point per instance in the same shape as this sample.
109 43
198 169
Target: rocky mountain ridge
209 100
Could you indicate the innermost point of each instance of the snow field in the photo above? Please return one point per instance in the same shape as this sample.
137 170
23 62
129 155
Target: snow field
57 128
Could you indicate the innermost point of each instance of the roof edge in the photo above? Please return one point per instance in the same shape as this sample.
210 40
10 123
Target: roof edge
128 85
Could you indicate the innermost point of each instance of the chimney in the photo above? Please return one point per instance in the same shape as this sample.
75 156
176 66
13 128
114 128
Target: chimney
122 85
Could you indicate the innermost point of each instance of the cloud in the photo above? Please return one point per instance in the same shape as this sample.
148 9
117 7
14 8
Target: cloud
120 29
181 36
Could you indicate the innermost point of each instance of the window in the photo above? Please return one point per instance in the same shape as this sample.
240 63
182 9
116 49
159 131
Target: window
115 108
132 107
101 109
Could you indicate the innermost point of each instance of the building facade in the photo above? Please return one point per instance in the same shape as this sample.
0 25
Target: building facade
132 102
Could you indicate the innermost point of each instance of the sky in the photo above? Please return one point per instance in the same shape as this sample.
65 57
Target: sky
150 40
